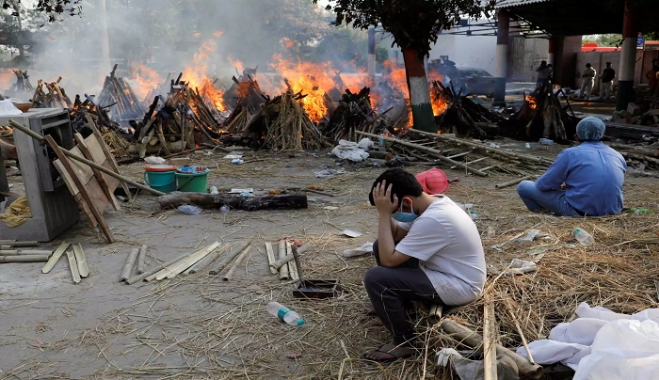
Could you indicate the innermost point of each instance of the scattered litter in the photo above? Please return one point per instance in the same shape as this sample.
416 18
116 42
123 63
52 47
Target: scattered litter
544 141
467 369
153 160
348 150
214 190
189 210
364 249
351 233
233 156
240 191
225 209
365 144
518 267
330 208
237 162
529 237
493 145
328 173
583 237
527 146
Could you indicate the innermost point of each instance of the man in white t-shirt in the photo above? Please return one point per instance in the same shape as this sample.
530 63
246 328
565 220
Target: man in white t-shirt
428 250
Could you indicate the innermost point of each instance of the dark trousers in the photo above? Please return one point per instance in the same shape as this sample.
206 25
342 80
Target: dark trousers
391 289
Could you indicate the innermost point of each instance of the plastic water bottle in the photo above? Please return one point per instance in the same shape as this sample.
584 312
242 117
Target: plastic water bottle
224 209
190 210
583 237
473 215
284 313
214 190
527 146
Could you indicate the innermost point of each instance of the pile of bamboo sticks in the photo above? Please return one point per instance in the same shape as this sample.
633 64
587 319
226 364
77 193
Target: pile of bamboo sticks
282 266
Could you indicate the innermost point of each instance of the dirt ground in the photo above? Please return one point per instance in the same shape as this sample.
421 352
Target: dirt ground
198 326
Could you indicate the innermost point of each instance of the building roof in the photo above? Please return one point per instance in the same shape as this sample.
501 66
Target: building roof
566 17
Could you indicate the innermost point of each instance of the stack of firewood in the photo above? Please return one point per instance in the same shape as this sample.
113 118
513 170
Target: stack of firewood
120 98
166 129
542 115
463 117
283 124
353 113
55 97
22 84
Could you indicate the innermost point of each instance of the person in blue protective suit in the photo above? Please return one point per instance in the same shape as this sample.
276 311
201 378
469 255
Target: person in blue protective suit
583 181
428 250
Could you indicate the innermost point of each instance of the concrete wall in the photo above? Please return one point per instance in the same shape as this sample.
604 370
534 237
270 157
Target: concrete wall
524 57
565 58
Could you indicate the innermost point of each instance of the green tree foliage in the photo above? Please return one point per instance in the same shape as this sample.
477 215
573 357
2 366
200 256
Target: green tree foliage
52 9
606 40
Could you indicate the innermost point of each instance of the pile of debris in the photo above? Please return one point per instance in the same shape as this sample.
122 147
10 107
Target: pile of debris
353 113
542 116
22 84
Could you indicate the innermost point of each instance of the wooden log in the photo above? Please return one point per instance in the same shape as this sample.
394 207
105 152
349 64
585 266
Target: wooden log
54 257
24 259
174 270
271 256
283 260
15 252
81 260
73 266
107 171
512 182
426 149
208 260
239 259
292 267
141 259
129 265
489 343
474 340
283 270
284 201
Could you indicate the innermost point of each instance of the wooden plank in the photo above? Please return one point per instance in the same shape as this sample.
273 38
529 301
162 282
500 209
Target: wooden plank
81 259
72 173
106 151
489 343
73 266
292 268
55 256
87 153
283 271
141 259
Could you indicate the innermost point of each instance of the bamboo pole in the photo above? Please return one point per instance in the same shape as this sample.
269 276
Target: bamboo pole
489 343
237 262
128 266
141 259
15 243
16 252
206 261
271 256
520 332
298 266
81 259
513 182
227 260
94 165
279 263
174 270
426 149
54 257
24 259
283 270
155 270
73 266
292 268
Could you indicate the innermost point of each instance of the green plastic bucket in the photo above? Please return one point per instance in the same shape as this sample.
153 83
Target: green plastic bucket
192 179
160 177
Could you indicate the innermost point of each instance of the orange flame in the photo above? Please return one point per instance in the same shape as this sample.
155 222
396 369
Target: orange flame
7 78
313 80
237 64
146 80
195 76
218 33
532 102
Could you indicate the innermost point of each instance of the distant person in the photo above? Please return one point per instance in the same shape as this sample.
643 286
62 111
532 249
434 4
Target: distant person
587 81
583 181
607 81
652 76
544 74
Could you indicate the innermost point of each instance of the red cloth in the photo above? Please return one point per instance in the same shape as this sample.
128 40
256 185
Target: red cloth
433 181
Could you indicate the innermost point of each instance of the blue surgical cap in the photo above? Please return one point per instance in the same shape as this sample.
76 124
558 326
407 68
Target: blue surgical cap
591 128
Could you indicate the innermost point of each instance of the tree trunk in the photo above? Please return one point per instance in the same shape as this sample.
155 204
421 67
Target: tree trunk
284 201
419 92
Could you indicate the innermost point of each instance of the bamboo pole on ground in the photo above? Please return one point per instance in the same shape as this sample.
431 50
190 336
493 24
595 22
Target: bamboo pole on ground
73 266
283 270
141 259
15 244
271 256
227 260
292 268
54 257
24 259
81 259
513 182
428 150
174 270
279 263
155 270
245 252
208 260
129 265
16 252
489 343
520 331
